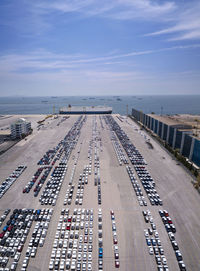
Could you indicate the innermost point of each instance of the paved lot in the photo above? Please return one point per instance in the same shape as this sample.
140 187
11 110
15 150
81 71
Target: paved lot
172 183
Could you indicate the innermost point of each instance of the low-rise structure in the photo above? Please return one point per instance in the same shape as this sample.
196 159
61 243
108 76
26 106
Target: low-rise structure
4 135
20 128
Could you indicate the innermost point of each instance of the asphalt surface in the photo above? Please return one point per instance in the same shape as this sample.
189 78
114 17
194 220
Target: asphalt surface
173 184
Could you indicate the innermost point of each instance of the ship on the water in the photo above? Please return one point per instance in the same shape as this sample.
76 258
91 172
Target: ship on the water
72 110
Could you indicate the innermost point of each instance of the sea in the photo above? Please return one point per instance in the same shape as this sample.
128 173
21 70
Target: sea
164 105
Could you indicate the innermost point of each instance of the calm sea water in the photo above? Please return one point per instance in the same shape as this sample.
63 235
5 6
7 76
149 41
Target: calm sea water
157 104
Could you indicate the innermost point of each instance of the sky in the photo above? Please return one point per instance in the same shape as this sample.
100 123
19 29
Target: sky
92 47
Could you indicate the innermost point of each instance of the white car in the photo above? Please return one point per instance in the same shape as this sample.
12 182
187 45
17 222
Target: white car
164 260
156 234
151 252
89 267
51 265
33 252
62 265
73 265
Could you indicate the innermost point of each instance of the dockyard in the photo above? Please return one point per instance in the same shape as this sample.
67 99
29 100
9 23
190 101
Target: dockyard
85 202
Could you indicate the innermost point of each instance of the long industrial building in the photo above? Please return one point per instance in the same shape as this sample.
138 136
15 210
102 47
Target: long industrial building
177 135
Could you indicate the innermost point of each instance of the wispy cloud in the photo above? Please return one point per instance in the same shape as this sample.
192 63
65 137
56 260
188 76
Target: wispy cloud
37 15
46 61
182 16
118 9
186 24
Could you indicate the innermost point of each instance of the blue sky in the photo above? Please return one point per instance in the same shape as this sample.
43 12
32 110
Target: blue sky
91 47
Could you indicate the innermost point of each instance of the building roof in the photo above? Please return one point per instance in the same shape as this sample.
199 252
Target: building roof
172 121
4 132
20 121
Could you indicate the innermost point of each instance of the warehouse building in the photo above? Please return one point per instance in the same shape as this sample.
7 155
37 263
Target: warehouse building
20 128
177 135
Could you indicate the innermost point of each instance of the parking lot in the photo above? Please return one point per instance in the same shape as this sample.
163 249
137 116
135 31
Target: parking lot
93 196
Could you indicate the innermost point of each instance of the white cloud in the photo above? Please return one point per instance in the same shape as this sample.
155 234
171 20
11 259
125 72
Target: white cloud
186 24
184 17
46 61
116 9
43 69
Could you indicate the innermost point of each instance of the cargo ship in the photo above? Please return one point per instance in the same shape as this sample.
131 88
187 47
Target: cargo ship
72 110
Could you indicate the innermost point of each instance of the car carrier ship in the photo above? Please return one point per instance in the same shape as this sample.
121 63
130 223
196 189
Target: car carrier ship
72 110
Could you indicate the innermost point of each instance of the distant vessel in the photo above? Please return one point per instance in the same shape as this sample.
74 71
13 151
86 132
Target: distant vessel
53 97
44 101
72 110
118 99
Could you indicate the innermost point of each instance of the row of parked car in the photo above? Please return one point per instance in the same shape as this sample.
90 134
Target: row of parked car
136 187
167 221
148 184
95 145
101 122
11 179
100 240
64 146
115 239
53 186
38 237
70 190
132 152
3 216
46 170
51 191
69 194
71 186
121 157
83 180
15 232
153 242
73 243
171 230
49 155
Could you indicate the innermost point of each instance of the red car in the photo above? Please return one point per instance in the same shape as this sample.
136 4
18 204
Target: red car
20 247
166 213
112 212
68 226
117 264
116 256
2 234
169 220
10 228
115 241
